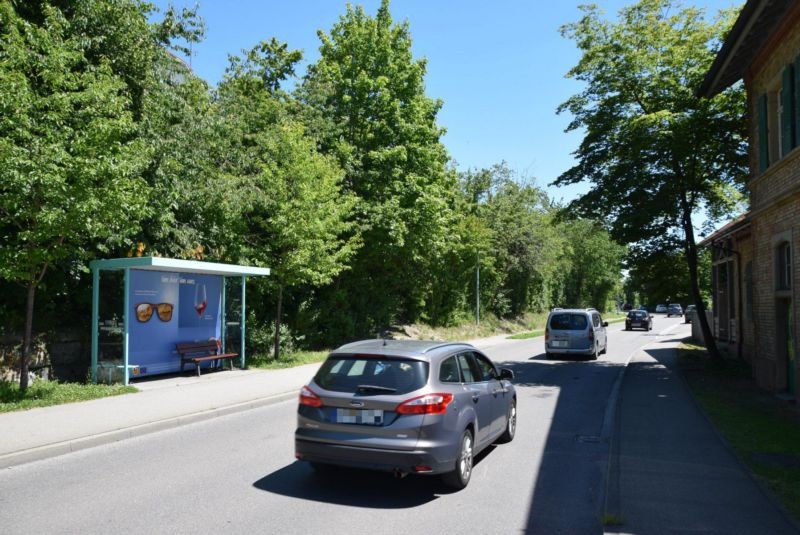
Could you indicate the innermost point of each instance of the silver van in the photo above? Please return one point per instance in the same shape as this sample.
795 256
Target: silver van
575 331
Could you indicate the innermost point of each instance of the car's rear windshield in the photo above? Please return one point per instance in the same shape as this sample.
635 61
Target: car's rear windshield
568 322
372 374
637 314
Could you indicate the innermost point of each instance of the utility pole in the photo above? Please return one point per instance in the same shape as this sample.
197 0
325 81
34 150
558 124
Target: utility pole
477 289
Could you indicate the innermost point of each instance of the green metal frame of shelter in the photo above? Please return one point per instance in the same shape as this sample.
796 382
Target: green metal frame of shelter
162 264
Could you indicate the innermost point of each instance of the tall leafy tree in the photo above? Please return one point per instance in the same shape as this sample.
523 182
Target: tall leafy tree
69 161
594 272
293 216
653 152
365 103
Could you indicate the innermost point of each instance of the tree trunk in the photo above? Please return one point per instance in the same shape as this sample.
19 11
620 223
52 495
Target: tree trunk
278 313
27 339
691 258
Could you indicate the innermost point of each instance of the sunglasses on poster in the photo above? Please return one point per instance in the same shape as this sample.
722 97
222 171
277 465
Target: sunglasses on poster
144 311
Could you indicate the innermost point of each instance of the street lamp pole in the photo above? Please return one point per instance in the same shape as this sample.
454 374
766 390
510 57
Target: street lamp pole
477 289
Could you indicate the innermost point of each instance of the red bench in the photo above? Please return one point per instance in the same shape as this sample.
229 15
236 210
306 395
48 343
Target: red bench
197 352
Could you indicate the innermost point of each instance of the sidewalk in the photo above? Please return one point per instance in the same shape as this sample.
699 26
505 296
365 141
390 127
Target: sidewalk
161 403
669 470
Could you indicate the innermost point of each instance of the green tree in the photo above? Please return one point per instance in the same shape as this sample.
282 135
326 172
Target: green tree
523 254
69 160
594 275
364 101
654 153
292 214
662 276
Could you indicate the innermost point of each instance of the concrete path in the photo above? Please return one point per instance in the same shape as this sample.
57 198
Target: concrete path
670 472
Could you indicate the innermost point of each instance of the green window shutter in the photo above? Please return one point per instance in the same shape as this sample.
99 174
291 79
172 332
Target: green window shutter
796 101
763 134
787 114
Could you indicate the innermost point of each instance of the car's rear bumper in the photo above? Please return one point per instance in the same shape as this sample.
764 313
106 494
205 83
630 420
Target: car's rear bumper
439 460
566 351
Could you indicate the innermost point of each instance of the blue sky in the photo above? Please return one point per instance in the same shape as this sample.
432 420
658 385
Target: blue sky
498 66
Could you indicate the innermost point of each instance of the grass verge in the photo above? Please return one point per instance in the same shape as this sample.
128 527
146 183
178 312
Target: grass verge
286 361
45 393
763 429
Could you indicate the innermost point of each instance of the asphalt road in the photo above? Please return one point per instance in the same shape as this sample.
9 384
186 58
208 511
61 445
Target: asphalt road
238 474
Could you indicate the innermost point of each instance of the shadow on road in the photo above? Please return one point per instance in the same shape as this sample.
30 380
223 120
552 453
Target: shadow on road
568 492
356 488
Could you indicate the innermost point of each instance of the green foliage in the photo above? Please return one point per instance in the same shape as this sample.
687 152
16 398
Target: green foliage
261 336
595 266
69 162
364 101
111 146
45 393
663 277
654 152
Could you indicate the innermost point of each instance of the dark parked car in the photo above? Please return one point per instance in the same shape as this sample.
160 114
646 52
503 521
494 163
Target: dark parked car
407 407
639 319
688 313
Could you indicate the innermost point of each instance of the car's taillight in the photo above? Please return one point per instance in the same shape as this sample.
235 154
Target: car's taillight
427 404
591 335
308 397
546 335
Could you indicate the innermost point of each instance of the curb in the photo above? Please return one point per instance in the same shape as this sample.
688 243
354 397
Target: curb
17 458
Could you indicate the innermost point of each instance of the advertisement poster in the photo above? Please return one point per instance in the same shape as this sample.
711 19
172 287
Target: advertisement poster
168 308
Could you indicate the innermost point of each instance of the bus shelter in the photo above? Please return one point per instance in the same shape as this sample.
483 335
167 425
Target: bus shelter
165 302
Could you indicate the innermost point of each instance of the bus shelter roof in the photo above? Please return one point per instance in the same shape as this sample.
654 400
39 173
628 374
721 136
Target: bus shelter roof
154 263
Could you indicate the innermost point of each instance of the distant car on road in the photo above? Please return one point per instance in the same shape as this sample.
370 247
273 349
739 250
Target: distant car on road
661 309
639 319
674 309
405 406
575 331
627 306
688 313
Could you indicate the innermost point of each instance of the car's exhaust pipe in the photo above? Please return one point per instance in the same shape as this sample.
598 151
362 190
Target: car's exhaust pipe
399 474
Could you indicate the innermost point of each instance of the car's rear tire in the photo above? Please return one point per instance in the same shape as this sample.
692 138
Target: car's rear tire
595 353
459 477
511 423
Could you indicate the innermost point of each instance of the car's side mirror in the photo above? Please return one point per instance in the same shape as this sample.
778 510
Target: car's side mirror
605 324
505 373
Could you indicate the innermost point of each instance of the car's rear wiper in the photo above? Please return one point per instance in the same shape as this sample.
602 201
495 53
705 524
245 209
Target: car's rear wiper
375 388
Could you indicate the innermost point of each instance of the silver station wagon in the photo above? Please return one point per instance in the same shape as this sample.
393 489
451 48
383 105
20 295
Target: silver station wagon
407 407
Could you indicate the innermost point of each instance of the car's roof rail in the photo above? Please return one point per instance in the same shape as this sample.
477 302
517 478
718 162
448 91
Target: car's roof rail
444 344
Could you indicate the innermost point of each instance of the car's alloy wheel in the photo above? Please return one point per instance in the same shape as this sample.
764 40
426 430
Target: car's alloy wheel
459 477
511 423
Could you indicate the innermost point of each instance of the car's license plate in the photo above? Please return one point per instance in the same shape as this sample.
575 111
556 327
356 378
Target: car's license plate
359 416
559 343
636 324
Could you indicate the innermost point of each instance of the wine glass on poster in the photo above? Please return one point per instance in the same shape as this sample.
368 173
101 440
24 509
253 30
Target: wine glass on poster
200 299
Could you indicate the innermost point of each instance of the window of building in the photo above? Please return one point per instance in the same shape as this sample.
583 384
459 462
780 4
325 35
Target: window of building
783 276
778 117
748 290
